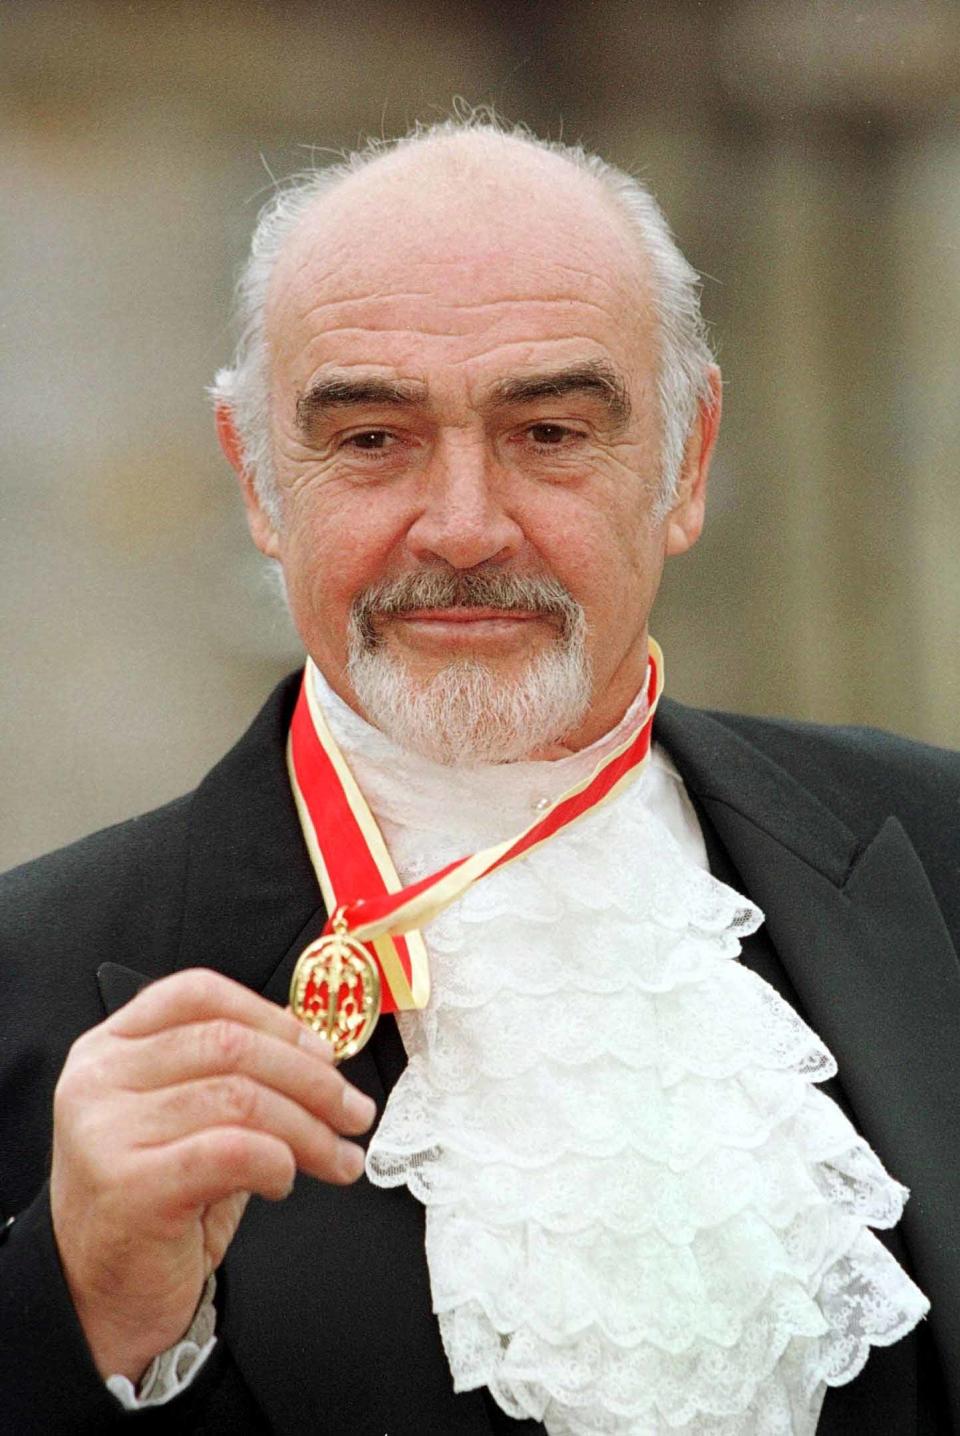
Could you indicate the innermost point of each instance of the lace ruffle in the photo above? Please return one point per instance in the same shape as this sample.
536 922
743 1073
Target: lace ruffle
642 1216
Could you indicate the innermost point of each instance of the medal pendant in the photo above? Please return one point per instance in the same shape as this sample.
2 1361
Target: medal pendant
335 990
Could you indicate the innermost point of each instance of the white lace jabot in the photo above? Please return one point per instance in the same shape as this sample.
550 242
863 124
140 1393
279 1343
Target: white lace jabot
641 1214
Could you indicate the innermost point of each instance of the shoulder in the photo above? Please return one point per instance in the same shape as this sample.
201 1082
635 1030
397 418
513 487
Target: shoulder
865 777
861 774
119 894
122 848
112 891
126 854
130 872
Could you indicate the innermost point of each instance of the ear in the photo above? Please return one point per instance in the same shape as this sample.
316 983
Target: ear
685 520
262 528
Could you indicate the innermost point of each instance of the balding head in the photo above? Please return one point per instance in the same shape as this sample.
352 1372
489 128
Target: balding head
475 197
487 195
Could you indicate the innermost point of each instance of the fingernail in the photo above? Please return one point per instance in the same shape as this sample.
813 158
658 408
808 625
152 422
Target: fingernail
315 1043
357 1106
350 1160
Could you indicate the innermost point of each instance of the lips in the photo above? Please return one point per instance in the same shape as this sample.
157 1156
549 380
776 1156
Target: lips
463 628
466 615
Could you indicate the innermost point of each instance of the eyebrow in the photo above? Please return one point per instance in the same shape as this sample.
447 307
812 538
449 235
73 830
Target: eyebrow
595 376
336 390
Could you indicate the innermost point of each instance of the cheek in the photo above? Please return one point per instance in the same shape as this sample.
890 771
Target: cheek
601 551
337 540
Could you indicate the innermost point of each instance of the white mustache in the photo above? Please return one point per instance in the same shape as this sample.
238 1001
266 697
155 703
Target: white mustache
447 588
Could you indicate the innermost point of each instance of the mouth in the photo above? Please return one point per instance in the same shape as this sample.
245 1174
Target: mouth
462 625
438 609
467 615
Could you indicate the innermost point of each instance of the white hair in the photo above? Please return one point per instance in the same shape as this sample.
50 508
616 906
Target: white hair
684 358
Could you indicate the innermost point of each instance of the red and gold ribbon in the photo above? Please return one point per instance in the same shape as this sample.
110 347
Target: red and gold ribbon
357 878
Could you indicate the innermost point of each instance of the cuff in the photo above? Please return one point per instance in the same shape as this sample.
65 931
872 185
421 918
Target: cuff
173 1370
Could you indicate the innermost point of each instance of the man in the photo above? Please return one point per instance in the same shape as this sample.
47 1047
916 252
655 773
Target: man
613 1185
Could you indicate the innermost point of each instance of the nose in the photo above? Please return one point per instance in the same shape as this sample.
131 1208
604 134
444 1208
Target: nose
463 518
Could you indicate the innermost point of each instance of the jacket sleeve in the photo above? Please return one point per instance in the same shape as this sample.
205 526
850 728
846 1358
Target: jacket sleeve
48 1381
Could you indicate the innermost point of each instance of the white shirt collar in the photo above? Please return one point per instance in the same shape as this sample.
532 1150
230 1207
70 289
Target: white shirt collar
487 803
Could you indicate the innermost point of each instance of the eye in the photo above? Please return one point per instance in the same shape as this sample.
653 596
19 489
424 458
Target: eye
550 435
369 440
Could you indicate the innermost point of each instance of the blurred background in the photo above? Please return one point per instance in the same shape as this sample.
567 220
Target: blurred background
808 157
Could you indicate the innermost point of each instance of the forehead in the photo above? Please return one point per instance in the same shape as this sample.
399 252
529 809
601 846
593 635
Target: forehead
464 261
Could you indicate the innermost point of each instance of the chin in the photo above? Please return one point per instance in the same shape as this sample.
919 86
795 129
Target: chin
470 711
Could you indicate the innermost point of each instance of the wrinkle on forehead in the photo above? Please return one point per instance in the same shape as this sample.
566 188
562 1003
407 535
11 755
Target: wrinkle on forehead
441 317
461 226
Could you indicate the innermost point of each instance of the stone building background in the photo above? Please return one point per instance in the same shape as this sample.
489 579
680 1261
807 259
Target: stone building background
808 156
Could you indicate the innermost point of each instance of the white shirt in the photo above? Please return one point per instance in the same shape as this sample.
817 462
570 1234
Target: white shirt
641 1213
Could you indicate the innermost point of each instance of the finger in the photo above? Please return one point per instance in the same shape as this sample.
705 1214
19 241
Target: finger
236 1101
207 1167
221 1046
194 995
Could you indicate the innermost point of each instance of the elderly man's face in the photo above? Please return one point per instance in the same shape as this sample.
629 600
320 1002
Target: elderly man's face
463 384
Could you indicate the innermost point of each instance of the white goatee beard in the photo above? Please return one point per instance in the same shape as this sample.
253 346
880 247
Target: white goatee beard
467 714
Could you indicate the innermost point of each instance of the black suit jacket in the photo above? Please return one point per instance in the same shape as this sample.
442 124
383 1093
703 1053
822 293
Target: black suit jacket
847 840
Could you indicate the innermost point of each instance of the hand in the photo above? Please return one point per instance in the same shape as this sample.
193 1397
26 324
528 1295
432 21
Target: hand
166 1118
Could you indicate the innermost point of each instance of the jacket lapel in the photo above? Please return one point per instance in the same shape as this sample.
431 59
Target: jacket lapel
250 890
324 1298
864 943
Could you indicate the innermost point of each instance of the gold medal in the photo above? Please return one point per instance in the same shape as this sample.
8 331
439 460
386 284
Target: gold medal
335 990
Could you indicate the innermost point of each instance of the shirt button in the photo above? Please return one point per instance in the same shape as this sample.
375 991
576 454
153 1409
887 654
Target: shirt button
542 804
